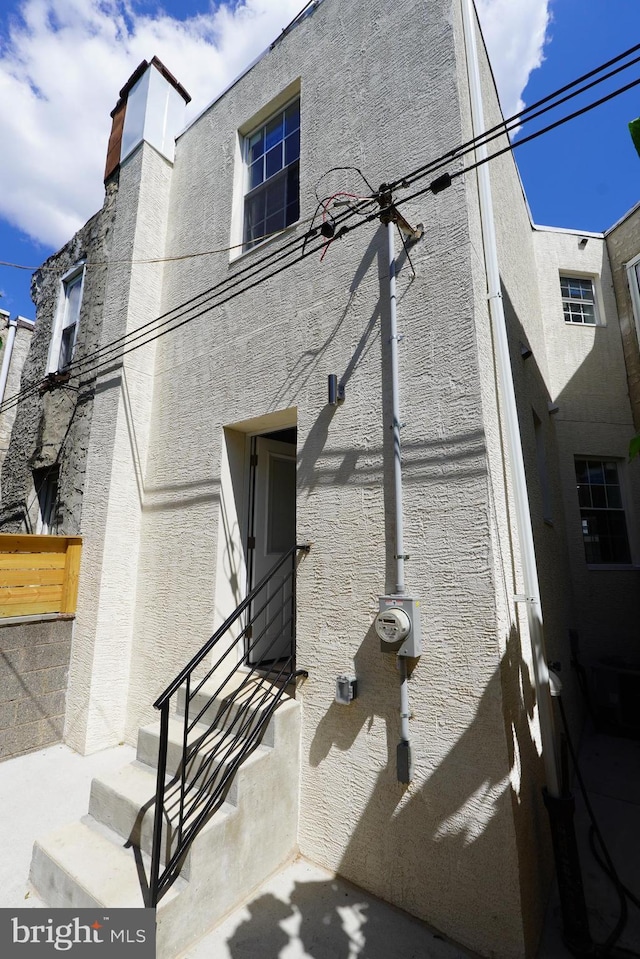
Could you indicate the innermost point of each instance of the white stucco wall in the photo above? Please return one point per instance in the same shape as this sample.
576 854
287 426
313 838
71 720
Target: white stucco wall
464 846
587 380
426 848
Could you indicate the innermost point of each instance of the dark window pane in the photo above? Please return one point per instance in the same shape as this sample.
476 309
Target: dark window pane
584 496
614 497
273 161
274 132
598 497
256 146
66 346
292 117
256 173
611 474
275 223
581 471
292 148
275 195
596 472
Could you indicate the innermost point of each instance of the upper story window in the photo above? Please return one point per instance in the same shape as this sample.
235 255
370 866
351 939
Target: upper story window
604 526
272 160
65 330
578 300
633 276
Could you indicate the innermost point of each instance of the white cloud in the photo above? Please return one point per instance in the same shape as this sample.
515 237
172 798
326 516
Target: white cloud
64 61
515 34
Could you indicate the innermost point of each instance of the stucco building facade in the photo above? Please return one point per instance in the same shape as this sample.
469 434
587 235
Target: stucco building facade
203 341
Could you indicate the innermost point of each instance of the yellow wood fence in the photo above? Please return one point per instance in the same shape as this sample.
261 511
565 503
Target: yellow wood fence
38 574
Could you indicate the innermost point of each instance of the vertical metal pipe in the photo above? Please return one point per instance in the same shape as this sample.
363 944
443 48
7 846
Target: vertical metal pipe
510 414
395 401
6 356
404 749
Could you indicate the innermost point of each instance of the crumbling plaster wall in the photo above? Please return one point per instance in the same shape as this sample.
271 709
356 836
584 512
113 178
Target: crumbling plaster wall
52 428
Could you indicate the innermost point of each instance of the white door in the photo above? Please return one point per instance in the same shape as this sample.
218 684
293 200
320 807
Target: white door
274 523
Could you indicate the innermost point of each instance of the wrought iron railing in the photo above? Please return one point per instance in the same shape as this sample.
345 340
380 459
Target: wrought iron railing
212 738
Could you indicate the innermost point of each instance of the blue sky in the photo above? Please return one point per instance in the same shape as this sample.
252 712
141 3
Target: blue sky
59 77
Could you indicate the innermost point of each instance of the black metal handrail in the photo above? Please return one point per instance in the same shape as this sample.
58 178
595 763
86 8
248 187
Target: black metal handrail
216 741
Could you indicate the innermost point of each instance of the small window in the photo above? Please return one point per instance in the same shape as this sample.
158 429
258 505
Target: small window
46 485
578 300
272 161
66 324
633 276
604 526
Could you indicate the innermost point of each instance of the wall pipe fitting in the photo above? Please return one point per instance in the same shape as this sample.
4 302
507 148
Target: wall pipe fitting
514 443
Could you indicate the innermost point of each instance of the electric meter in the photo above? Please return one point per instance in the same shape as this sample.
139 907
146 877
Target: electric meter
392 625
398 626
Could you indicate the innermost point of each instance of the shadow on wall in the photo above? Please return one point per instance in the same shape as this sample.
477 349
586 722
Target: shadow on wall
431 845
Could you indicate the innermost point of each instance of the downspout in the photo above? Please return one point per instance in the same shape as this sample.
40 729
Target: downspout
6 356
514 444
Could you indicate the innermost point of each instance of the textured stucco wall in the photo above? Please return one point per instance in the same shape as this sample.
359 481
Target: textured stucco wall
446 848
587 379
34 663
116 462
623 244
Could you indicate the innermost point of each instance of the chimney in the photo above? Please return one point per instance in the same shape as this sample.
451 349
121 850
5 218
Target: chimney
151 107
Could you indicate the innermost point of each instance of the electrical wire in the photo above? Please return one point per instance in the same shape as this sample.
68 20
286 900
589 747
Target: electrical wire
525 115
288 249
529 113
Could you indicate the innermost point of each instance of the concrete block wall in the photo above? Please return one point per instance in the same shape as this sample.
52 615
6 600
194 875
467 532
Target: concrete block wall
34 666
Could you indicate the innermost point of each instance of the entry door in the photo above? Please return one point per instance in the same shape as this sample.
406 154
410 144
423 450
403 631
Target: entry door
274 523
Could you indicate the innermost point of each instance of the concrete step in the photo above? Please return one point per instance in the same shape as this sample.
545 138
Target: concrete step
202 742
87 863
84 864
228 702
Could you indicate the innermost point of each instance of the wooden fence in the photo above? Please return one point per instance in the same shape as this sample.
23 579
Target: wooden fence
38 574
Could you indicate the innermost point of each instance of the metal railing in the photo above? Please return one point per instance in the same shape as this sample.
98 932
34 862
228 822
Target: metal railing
201 750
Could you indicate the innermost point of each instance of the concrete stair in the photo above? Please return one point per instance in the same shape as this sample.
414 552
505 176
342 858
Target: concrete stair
103 860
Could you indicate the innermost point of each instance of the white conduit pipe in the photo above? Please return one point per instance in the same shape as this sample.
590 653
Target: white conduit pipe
514 444
395 400
6 357
397 471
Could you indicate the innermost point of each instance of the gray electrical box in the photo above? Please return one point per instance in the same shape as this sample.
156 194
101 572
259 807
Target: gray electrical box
398 626
346 689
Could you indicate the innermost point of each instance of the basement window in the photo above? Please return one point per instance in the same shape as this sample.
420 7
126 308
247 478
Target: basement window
271 155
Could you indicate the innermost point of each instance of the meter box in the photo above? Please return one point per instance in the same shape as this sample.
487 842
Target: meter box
398 626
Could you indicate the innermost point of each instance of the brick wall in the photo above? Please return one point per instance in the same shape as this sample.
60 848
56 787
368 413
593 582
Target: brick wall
34 664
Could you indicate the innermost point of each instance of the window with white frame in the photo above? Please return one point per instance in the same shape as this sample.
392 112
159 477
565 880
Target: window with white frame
272 160
604 525
65 332
578 300
633 277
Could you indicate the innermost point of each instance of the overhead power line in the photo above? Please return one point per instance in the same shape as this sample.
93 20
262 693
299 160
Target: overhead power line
219 293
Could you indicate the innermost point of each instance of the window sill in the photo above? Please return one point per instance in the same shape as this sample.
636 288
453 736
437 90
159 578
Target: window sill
242 254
